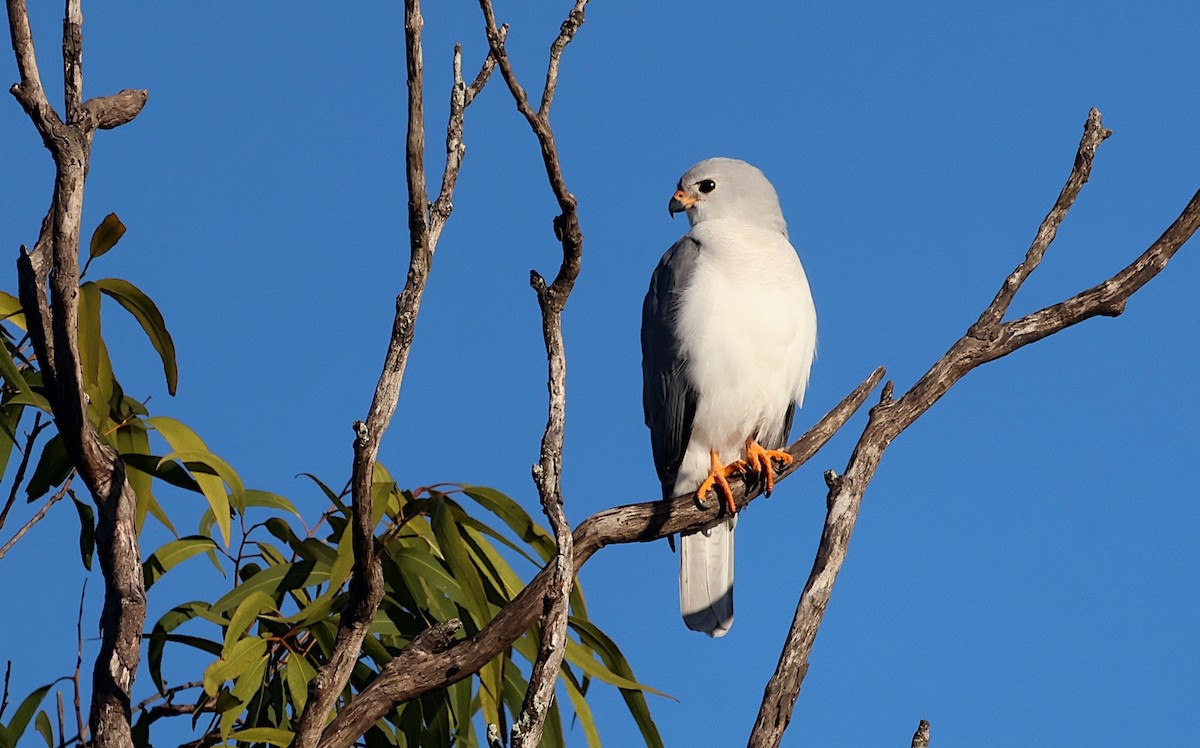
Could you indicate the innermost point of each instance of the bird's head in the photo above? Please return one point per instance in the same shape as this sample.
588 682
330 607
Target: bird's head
718 188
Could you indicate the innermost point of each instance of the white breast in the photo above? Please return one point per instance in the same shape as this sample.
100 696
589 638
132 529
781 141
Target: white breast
749 332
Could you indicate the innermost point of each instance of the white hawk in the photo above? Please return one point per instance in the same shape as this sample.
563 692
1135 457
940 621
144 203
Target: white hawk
728 337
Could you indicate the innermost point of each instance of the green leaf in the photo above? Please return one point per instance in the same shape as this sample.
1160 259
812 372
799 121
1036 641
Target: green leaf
10 310
172 472
460 700
172 554
272 580
20 720
133 444
583 712
246 613
52 469
209 471
42 724
268 500
161 634
271 735
298 673
87 532
106 235
235 660
454 550
513 515
8 368
582 658
97 369
146 313
333 497
10 419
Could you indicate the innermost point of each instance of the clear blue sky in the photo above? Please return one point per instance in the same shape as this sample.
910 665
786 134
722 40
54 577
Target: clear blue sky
1026 560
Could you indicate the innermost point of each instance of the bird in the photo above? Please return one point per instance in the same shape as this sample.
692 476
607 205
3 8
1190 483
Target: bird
729 333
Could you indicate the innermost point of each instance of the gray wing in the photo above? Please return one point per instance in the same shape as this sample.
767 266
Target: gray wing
668 397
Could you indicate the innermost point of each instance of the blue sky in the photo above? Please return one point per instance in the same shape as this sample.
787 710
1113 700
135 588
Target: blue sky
1025 561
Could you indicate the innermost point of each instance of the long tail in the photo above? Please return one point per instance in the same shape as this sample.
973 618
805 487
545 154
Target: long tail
706 577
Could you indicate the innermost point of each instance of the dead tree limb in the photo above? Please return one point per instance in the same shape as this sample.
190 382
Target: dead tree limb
987 340
425 222
48 278
552 299
921 736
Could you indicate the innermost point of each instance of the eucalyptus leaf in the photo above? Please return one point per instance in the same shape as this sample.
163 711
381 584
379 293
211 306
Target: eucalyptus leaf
146 313
106 236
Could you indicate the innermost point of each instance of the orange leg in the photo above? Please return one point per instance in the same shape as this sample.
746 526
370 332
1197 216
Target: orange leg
718 479
758 459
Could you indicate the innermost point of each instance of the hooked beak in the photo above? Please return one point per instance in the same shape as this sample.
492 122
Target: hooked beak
680 202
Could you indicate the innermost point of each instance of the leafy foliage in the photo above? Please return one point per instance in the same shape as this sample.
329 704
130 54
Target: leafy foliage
447 552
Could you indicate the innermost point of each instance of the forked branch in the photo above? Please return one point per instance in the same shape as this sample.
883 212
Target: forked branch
425 222
547 473
988 339
48 278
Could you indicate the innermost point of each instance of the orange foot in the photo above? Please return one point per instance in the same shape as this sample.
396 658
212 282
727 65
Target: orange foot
718 478
758 459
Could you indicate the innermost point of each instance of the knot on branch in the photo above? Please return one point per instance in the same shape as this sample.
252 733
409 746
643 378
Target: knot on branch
886 395
361 434
437 638
537 282
107 112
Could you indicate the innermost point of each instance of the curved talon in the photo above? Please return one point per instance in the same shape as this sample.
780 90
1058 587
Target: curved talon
718 479
758 459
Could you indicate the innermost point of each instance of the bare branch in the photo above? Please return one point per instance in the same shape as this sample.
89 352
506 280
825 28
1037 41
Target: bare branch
7 678
986 341
425 223
567 32
921 736
75 679
29 91
107 112
53 330
1093 135
547 473
73 61
25 528
19 478
461 96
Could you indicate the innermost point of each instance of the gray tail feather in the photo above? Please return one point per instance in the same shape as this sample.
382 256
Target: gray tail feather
706 577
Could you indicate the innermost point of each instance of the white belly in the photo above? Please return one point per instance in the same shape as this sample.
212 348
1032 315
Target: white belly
749 330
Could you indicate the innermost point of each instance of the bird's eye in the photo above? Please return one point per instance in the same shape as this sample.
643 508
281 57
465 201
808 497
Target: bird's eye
707 186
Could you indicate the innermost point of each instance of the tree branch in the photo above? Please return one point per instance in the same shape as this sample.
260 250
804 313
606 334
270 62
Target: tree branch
425 222
921 736
53 330
986 340
19 477
547 473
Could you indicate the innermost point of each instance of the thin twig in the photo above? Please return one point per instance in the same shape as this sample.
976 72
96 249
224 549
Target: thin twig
79 665
62 718
4 697
921 736
547 473
425 225
1093 135
61 492
30 439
